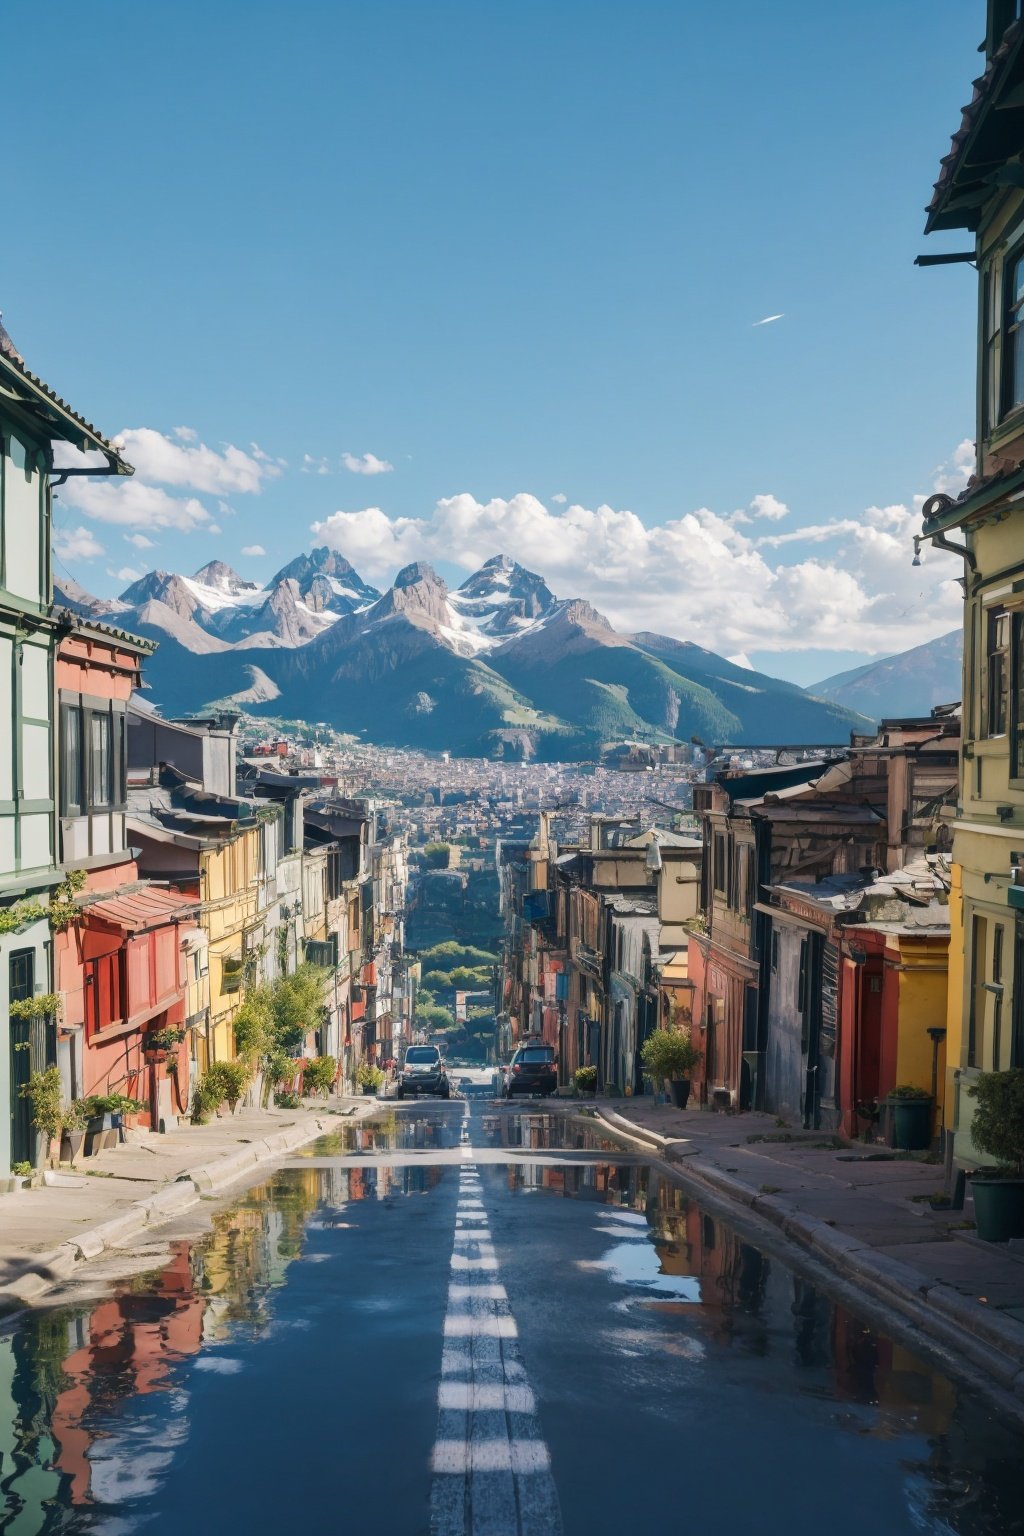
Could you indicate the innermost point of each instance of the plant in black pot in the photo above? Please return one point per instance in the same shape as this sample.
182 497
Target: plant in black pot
911 1111
585 1082
670 1054
998 1131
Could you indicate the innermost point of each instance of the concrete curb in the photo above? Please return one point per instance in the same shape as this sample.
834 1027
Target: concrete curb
45 1270
970 1334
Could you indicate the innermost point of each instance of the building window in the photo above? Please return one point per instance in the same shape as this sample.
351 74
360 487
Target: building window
990 340
996 670
101 760
976 1015
721 863
997 1001
1013 366
72 789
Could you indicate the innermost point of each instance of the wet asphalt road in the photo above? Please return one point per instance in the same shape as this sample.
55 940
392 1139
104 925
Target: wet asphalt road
446 1321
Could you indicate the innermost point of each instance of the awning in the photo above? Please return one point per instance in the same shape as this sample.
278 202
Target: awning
136 908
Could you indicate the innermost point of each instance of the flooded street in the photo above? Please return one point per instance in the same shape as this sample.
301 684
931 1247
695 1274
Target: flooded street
481 1320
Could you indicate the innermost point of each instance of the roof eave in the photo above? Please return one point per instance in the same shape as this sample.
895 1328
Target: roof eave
25 389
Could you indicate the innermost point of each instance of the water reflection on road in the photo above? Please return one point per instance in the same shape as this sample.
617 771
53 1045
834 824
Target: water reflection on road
97 1401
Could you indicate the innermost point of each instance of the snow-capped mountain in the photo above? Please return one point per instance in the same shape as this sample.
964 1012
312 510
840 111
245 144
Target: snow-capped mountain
499 665
217 610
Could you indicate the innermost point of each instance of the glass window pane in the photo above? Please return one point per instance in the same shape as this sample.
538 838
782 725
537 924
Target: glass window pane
1016 341
72 759
100 784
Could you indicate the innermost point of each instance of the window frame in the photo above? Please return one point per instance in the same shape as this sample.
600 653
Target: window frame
1011 321
997 677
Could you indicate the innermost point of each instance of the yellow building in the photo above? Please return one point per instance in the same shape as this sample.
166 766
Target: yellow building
980 190
230 863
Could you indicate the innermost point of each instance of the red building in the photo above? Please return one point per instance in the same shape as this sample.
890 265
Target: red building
121 966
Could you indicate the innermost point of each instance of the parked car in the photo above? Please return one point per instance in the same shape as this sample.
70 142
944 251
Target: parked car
423 1071
533 1069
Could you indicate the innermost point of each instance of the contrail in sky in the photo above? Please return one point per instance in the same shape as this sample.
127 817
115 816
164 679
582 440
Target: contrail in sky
766 321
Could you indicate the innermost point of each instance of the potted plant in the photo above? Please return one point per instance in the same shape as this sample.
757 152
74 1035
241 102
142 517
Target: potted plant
222 1080
318 1075
585 1082
911 1112
45 1094
74 1119
998 1130
670 1054
369 1077
161 1042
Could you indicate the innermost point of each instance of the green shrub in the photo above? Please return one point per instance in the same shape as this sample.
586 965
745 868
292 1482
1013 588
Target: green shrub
670 1053
908 1091
296 1001
111 1104
222 1080
369 1076
46 1096
254 1025
318 1075
585 1079
279 1067
998 1125
287 1100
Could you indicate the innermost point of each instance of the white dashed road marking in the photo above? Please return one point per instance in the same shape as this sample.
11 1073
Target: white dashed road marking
492 1470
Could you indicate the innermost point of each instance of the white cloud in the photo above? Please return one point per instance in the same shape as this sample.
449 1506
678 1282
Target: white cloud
698 576
768 506
314 466
133 504
952 476
253 550
178 460
159 458
126 573
366 464
139 540
560 497
76 544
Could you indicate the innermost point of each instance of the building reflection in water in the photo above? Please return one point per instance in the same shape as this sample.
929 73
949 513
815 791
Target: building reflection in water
76 1431
65 1377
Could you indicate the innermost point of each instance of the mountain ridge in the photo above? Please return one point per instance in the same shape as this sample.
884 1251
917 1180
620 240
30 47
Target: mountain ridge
497 666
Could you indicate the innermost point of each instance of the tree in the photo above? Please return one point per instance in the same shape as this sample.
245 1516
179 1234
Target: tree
437 855
433 1018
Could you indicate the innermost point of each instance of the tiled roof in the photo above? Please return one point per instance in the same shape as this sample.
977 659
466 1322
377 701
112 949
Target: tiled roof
984 89
136 907
45 401
80 626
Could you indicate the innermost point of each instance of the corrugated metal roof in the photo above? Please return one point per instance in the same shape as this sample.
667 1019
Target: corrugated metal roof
137 907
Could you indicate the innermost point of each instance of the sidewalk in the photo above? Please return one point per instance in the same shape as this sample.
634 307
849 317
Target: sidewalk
863 1213
46 1233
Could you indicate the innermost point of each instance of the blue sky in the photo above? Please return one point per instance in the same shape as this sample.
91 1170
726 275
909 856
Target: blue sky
514 250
